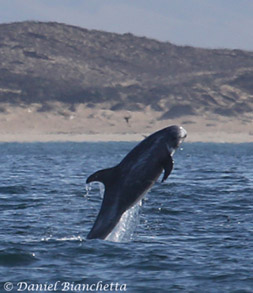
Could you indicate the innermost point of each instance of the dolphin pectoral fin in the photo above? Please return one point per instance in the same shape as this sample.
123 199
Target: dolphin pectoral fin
104 176
167 166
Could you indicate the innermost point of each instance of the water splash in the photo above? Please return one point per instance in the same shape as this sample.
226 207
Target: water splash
124 230
69 238
101 189
87 189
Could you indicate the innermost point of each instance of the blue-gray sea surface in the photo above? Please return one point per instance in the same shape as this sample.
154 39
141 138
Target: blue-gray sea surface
195 231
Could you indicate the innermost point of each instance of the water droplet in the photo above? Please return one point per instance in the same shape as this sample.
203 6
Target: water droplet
87 189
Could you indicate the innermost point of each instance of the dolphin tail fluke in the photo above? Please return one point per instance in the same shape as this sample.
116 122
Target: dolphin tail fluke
104 176
110 212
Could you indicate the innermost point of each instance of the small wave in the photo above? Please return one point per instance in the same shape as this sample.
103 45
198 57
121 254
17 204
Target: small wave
16 258
13 189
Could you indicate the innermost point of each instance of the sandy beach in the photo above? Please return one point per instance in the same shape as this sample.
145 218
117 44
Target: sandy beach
30 124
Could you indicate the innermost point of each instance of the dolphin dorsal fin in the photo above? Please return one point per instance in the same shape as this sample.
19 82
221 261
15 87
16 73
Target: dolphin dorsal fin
105 176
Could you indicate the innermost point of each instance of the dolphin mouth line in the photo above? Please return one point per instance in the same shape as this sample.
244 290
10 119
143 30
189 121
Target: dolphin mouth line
181 141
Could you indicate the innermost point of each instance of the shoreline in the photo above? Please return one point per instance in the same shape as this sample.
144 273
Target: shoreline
27 124
120 137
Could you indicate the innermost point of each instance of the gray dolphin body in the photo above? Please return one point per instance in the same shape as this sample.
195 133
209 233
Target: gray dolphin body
127 182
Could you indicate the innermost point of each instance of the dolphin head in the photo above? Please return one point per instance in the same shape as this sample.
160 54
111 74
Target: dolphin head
174 137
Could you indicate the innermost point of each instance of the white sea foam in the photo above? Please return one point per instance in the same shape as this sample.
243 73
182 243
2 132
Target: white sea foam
70 238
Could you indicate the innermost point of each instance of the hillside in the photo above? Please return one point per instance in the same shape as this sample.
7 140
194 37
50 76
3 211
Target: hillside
45 62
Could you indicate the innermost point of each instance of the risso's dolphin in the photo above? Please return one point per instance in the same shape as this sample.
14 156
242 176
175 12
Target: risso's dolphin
127 182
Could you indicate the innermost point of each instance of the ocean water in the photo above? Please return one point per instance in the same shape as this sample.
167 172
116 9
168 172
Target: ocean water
193 233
